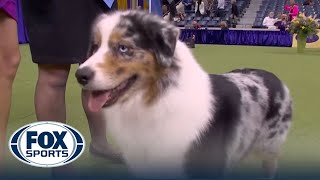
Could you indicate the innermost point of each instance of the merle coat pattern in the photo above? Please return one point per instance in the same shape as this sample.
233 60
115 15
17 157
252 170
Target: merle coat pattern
168 116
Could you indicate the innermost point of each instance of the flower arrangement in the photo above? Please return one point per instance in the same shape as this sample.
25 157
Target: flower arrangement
303 25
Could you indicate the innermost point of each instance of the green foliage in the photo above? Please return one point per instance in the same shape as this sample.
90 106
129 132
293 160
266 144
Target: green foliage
303 25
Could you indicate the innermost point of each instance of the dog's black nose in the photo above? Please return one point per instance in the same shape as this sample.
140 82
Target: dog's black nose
84 75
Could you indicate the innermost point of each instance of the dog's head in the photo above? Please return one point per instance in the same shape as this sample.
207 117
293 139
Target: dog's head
130 52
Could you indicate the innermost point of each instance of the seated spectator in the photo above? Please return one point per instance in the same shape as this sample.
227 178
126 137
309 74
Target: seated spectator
199 9
208 5
220 8
191 41
172 9
269 21
195 25
279 15
308 3
179 17
293 9
164 9
224 25
234 13
187 5
282 24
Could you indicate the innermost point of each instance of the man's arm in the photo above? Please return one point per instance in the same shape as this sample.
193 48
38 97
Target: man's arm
264 23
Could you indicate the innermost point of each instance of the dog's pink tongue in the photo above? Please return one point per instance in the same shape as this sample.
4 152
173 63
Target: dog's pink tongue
96 101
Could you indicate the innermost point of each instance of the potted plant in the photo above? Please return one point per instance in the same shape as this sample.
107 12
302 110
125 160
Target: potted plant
303 27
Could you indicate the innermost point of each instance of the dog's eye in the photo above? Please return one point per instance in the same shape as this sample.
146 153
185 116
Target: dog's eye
123 49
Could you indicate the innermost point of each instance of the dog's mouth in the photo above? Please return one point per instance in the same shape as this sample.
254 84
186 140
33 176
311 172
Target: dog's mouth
104 98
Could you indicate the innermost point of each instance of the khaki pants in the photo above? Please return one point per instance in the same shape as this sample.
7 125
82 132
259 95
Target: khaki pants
134 4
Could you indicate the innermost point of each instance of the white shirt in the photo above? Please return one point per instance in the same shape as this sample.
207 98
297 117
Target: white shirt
201 8
221 4
269 22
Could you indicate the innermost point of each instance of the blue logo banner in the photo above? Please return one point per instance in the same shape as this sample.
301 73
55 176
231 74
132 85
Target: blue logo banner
109 2
155 7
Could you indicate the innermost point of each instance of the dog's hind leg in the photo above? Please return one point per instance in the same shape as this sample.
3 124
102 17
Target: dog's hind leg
270 166
275 133
271 151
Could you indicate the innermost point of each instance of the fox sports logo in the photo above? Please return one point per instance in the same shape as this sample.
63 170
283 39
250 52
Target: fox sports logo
46 144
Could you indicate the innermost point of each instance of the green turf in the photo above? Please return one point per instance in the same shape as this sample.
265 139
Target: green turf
299 72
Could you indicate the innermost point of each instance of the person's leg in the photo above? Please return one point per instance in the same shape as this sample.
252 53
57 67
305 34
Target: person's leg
9 62
219 13
173 10
50 106
50 92
49 99
99 145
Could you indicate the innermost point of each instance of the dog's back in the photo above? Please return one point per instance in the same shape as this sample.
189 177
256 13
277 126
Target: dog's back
252 114
276 110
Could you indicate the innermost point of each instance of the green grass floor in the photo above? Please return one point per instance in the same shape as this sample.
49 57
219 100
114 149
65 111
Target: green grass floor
299 72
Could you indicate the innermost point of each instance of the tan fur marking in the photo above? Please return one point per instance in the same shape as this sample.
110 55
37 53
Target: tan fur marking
116 36
120 71
145 67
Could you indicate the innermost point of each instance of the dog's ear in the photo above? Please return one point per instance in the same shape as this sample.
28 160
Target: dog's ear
95 36
152 33
165 44
92 47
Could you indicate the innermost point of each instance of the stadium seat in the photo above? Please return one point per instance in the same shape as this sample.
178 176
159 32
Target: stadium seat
216 18
260 16
189 18
189 11
198 18
226 18
203 23
212 23
259 19
207 18
181 23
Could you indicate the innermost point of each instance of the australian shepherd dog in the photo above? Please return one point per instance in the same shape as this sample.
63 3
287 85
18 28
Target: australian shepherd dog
169 117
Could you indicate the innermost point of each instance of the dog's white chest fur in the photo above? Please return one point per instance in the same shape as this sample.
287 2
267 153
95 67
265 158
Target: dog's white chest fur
154 138
147 141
